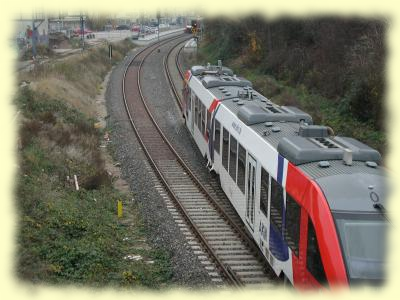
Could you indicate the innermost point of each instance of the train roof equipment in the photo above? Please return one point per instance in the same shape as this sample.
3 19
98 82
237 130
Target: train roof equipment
312 148
289 129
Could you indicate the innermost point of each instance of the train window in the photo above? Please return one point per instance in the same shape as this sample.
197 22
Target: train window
292 226
190 100
188 97
203 119
217 136
241 173
276 204
264 192
233 158
196 109
208 121
199 115
225 150
314 262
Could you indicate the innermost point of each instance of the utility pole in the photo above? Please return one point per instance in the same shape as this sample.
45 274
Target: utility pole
158 26
35 34
82 32
33 40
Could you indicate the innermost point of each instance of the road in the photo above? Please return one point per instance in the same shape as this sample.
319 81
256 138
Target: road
100 38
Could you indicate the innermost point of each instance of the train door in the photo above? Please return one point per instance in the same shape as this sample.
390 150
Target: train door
250 190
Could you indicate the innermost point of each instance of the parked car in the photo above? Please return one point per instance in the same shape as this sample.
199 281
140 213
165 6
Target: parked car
135 28
122 27
78 31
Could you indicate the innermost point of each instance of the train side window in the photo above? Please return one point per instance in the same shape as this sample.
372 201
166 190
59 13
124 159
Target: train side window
314 262
217 136
189 98
241 173
292 226
203 119
276 204
196 110
233 158
208 120
264 192
225 149
199 115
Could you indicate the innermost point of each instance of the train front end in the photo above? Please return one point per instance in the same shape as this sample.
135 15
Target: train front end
357 202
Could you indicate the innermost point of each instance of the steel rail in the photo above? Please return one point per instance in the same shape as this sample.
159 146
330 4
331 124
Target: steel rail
169 77
227 272
249 241
177 63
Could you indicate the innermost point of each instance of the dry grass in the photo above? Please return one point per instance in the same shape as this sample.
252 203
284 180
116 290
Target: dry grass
75 79
29 129
69 236
66 91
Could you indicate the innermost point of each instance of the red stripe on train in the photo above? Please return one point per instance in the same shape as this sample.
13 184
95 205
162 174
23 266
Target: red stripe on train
213 105
188 75
309 195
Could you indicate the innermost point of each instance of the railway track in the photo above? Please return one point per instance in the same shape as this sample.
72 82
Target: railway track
227 246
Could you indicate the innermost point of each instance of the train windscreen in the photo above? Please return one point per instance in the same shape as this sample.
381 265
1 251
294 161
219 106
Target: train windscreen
363 241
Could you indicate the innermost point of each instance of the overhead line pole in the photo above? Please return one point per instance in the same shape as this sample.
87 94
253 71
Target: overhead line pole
33 39
35 34
158 26
82 32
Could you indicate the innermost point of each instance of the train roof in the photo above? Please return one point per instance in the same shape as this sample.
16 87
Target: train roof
291 132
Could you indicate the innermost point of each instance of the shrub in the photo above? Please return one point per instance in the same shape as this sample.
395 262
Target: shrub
48 117
29 130
96 181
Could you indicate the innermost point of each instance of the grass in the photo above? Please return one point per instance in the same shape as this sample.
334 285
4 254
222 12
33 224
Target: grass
76 79
323 110
67 236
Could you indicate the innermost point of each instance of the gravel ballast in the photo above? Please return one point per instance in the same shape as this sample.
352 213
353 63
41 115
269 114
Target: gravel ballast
162 230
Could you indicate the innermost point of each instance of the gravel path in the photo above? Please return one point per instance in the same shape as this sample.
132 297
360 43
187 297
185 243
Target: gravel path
163 232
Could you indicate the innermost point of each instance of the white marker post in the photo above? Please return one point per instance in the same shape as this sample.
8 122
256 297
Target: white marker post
76 183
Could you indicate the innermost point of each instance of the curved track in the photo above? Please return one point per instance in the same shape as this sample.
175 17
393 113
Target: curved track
225 243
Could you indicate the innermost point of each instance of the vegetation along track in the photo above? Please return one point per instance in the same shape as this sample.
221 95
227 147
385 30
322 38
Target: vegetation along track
223 241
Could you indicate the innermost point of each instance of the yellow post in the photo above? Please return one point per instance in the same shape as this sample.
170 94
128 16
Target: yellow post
119 209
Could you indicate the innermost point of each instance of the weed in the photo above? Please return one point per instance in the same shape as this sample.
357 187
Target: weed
28 130
97 180
69 236
48 117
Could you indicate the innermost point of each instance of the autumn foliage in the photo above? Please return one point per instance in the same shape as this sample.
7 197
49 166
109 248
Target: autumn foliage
339 58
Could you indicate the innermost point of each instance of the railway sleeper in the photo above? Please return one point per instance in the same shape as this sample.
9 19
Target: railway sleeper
233 251
254 267
240 262
261 279
232 256
250 273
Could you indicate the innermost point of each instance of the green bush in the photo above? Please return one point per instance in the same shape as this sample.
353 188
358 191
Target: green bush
68 236
332 68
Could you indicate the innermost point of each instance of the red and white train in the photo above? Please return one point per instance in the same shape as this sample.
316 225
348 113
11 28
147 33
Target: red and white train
313 202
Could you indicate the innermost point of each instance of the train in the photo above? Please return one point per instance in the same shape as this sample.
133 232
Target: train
314 203
194 27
